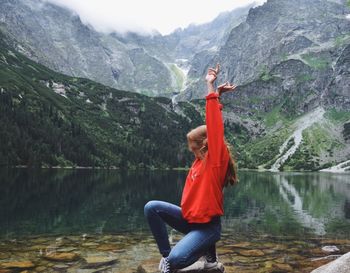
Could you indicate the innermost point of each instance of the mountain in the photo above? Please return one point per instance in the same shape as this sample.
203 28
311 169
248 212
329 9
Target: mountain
55 37
309 33
290 111
50 119
290 60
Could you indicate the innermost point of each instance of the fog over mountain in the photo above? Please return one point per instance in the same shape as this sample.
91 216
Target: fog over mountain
153 16
57 38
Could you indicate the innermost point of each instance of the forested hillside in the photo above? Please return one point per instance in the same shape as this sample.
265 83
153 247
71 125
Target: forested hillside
49 119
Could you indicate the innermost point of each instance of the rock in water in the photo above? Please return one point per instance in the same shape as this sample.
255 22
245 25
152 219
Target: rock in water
97 261
62 256
330 249
340 265
17 264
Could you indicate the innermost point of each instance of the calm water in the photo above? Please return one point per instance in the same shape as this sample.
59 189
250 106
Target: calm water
111 201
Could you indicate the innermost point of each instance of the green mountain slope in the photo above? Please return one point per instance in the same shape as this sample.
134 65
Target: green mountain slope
49 119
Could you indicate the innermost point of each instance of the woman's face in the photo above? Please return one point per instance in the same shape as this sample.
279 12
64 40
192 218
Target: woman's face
196 139
195 148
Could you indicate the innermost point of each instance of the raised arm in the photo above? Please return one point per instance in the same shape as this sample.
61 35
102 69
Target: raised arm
213 116
215 128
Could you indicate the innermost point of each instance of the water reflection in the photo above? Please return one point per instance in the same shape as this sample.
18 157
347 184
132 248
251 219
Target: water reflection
109 201
294 200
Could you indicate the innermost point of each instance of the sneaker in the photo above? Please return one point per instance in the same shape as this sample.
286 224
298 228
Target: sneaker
161 264
210 261
164 265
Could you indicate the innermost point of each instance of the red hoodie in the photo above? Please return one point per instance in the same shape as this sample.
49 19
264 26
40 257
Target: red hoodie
202 197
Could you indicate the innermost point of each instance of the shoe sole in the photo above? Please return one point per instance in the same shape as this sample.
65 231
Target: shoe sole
210 266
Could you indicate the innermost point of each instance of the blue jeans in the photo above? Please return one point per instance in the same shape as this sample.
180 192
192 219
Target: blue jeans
199 239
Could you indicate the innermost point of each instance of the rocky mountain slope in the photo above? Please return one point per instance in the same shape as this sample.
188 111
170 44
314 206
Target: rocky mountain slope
280 33
55 37
289 59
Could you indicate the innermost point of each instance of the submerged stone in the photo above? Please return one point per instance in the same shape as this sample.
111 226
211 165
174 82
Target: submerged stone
60 266
279 267
330 249
62 241
99 270
17 264
66 249
252 252
97 261
40 269
241 245
62 256
108 247
90 244
282 267
4 255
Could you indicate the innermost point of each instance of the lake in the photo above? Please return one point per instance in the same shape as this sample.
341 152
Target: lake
57 208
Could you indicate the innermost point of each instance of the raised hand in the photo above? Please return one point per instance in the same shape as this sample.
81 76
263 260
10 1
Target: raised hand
212 74
225 87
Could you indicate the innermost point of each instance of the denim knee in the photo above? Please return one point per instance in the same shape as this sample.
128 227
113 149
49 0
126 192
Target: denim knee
150 205
176 260
182 257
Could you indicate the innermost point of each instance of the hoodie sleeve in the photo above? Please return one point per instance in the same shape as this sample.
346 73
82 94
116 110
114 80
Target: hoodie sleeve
215 128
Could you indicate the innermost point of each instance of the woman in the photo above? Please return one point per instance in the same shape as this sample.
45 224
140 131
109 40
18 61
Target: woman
202 197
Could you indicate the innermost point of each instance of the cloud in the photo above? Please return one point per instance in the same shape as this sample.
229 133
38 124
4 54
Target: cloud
147 16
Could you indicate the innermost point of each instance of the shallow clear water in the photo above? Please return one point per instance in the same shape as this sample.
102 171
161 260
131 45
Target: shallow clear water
49 202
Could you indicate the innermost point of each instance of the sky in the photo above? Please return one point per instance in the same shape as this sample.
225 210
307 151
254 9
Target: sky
143 16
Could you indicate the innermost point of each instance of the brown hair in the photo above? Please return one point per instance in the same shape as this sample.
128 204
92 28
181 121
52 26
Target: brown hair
199 137
231 176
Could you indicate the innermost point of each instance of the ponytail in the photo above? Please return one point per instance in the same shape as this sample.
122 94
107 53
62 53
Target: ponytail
231 177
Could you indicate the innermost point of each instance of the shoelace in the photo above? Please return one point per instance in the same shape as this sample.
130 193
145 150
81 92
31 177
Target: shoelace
161 264
210 258
166 266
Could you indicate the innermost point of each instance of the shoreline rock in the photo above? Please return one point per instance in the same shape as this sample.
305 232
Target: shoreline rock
340 265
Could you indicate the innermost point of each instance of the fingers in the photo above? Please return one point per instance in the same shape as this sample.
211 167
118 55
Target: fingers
227 85
221 85
212 71
230 86
216 70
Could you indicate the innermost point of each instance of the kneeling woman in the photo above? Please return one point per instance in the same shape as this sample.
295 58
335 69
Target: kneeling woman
202 197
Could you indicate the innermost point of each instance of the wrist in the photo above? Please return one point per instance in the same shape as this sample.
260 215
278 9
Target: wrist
211 88
210 85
